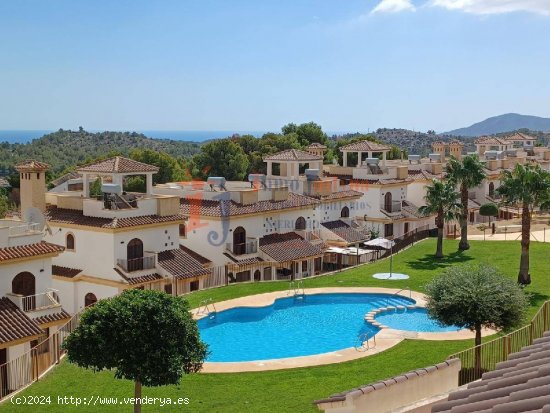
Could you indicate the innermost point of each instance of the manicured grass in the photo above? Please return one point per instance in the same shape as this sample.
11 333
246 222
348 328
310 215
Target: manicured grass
294 390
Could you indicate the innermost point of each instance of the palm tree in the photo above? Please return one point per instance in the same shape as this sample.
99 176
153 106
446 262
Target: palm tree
441 200
527 187
467 174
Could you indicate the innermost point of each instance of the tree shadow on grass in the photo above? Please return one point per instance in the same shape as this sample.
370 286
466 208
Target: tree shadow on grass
537 298
429 262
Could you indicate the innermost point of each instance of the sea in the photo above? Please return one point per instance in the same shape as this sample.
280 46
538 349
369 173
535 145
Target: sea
24 136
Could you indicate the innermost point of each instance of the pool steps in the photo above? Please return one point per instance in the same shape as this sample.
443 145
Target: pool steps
370 317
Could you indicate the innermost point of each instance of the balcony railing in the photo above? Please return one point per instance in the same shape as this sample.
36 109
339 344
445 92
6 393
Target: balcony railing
248 247
395 206
39 301
24 229
137 264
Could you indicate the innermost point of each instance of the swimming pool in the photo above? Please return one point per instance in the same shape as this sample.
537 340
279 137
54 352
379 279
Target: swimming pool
292 326
412 320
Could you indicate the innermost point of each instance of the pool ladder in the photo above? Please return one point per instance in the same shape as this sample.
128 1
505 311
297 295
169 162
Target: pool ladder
207 308
296 288
364 342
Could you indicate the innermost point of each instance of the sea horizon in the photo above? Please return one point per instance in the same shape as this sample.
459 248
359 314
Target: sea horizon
23 136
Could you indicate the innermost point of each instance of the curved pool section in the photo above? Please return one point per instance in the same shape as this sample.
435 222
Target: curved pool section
412 320
293 326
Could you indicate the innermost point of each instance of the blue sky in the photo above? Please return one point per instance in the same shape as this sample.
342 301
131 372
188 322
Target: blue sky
349 65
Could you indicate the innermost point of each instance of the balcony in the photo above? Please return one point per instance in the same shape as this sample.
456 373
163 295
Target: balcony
147 262
392 208
248 247
37 302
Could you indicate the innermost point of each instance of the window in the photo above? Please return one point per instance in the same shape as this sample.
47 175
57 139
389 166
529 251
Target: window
194 285
134 255
345 212
69 242
183 231
89 299
300 224
388 202
239 241
388 230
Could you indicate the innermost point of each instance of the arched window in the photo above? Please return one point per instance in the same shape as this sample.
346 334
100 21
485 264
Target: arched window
134 255
69 242
24 284
300 224
89 299
387 201
491 189
239 241
183 231
345 212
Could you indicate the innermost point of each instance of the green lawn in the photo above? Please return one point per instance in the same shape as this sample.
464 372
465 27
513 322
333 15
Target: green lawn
294 390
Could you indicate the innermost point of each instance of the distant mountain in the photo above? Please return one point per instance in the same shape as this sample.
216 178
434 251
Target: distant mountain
504 123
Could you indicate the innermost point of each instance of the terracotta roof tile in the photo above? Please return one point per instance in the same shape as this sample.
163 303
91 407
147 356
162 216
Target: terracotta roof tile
520 137
138 279
31 165
491 140
181 264
288 246
64 178
49 318
345 231
65 271
365 146
31 250
118 164
76 217
14 323
339 195
293 155
225 208
520 384
252 260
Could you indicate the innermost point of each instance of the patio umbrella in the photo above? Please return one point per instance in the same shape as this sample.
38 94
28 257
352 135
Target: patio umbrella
384 243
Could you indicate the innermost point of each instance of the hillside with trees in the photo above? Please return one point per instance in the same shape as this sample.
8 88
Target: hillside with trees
65 148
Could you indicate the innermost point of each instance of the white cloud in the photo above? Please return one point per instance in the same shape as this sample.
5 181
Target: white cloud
393 6
495 6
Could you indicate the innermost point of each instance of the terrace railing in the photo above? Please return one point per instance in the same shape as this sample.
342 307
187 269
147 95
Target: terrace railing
479 359
30 366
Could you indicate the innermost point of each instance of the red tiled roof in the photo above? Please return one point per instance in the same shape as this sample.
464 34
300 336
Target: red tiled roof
287 247
65 271
491 140
50 318
76 217
345 231
252 260
520 137
224 208
139 279
380 181
293 155
422 174
519 384
31 165
14 323
365 146
195 255
340 195
31 250
181 264
118 164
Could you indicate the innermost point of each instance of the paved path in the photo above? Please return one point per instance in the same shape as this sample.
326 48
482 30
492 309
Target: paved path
512 236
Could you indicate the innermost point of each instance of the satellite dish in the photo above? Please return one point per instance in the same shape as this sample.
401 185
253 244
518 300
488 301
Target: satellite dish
34 216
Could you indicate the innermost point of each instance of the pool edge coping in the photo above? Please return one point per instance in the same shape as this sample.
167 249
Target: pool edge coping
385 339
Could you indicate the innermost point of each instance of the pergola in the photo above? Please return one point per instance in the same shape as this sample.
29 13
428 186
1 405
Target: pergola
361 147
290 160
117 168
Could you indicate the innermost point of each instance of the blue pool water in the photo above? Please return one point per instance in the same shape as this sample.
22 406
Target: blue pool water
412 320
292 327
